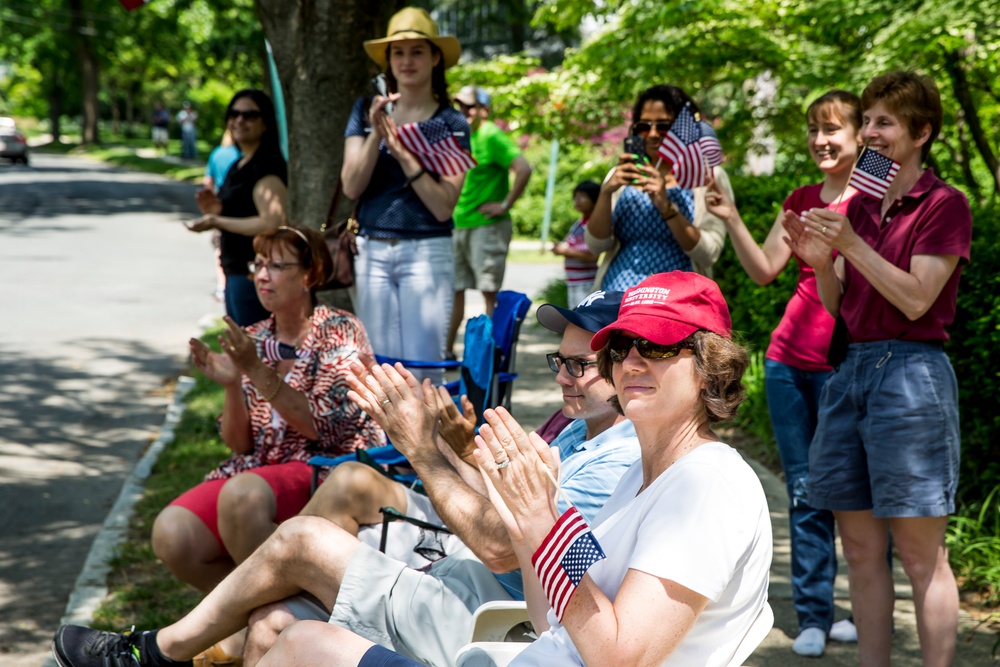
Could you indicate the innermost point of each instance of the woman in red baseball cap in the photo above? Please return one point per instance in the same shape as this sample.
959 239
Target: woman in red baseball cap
674 570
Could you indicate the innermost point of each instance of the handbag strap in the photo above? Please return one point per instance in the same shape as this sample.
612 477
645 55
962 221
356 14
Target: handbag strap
331 215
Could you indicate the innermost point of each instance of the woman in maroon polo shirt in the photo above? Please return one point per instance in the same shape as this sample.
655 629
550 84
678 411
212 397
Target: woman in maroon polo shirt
886 449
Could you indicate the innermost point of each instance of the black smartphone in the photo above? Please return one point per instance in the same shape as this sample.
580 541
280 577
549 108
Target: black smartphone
381 87
636 145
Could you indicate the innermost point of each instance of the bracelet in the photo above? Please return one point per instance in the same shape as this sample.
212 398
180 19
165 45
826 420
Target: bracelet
504 205
565 555
410 179
277 388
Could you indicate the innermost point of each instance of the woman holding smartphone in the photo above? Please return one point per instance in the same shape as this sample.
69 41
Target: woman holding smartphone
796 365
405 264
644 222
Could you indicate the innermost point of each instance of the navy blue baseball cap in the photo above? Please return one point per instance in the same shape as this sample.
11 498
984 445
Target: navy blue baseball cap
593 314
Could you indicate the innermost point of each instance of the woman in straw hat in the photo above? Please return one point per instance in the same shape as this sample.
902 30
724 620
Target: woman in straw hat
405 266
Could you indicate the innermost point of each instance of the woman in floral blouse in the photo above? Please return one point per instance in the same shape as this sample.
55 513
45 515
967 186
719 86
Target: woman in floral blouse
285 401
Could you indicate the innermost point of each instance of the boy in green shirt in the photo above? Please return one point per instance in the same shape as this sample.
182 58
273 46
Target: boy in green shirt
482 220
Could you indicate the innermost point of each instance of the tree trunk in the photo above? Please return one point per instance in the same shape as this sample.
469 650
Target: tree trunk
55 94
317 47
963 95
116 113
82 31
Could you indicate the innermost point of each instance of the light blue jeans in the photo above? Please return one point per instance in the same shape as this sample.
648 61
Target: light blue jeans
404 297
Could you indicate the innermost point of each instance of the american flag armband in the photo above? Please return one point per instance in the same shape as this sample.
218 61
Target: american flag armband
565 555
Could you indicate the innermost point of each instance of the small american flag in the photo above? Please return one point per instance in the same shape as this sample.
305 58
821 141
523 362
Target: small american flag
873 173
272 350
682 149
569 550
710 146
435 146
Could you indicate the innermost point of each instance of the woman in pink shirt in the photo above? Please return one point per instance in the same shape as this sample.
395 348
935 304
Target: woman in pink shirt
796 362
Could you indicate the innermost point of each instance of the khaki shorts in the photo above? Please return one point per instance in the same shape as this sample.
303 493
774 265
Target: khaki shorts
481 256
426 616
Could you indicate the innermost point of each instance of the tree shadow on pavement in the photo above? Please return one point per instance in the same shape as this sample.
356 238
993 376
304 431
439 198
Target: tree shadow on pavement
70 431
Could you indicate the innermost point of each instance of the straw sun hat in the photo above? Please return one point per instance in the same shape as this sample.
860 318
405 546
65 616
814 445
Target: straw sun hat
413 23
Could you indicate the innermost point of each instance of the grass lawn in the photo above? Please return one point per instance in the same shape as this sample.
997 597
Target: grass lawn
136 154
142 591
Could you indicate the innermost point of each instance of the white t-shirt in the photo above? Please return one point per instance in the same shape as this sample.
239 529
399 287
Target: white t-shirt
704 524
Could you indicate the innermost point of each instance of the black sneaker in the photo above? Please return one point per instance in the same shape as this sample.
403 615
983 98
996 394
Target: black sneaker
77 646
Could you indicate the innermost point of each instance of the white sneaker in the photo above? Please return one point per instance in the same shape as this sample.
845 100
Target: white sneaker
844 631
810 642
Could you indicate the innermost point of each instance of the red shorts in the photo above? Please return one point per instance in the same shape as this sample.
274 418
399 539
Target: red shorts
288 481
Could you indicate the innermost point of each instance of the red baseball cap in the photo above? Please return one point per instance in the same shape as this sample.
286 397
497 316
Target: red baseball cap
666 308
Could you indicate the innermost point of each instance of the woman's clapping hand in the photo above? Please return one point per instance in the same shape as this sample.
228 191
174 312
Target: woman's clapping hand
519 468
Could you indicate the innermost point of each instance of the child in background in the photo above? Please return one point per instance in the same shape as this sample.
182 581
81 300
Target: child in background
581 263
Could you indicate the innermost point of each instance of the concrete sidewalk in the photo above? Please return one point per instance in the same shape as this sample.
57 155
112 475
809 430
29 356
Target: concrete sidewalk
536 397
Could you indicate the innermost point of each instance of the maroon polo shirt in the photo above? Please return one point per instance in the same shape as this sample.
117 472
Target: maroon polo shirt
933 218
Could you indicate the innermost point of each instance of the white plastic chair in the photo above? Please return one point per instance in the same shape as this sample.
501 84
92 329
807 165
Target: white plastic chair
491 643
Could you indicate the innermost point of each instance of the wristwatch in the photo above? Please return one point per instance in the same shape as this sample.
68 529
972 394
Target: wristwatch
504 205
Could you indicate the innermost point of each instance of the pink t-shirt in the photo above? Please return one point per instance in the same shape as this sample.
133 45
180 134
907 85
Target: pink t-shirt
802 338
933 218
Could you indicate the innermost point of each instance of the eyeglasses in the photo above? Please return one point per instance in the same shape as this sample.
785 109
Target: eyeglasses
575 367
248 114
272 267
642 128
619 347
463 107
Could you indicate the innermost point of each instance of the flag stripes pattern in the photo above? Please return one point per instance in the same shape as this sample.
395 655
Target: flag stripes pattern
567 552
682 149
710 146
434 145
272 350
873 173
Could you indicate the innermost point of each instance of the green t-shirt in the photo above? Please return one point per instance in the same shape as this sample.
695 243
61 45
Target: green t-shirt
489 181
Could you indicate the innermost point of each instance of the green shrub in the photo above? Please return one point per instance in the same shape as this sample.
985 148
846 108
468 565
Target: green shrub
554 292
973 541
975 339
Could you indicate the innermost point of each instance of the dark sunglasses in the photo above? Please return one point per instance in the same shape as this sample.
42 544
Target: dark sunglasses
461 106
249 114
619 346
575 367
642 128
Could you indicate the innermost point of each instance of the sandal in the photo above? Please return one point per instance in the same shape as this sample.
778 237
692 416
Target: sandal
216 657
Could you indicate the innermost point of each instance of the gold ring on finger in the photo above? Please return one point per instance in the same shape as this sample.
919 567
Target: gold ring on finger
824 230
386 402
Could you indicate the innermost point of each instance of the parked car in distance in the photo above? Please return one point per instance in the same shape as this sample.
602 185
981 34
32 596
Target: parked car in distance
13 145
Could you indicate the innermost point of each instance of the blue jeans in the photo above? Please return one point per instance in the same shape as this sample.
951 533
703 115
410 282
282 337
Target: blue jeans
242 303
793 401
405 290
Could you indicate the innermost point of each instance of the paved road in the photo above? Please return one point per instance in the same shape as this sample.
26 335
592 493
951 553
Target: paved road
100 287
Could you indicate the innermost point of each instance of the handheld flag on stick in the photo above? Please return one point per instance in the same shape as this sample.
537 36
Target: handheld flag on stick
873 173
682 149
435 146
710 146
273 350
567 552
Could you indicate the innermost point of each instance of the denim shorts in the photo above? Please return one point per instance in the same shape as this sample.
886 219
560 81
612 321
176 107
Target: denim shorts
888 433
